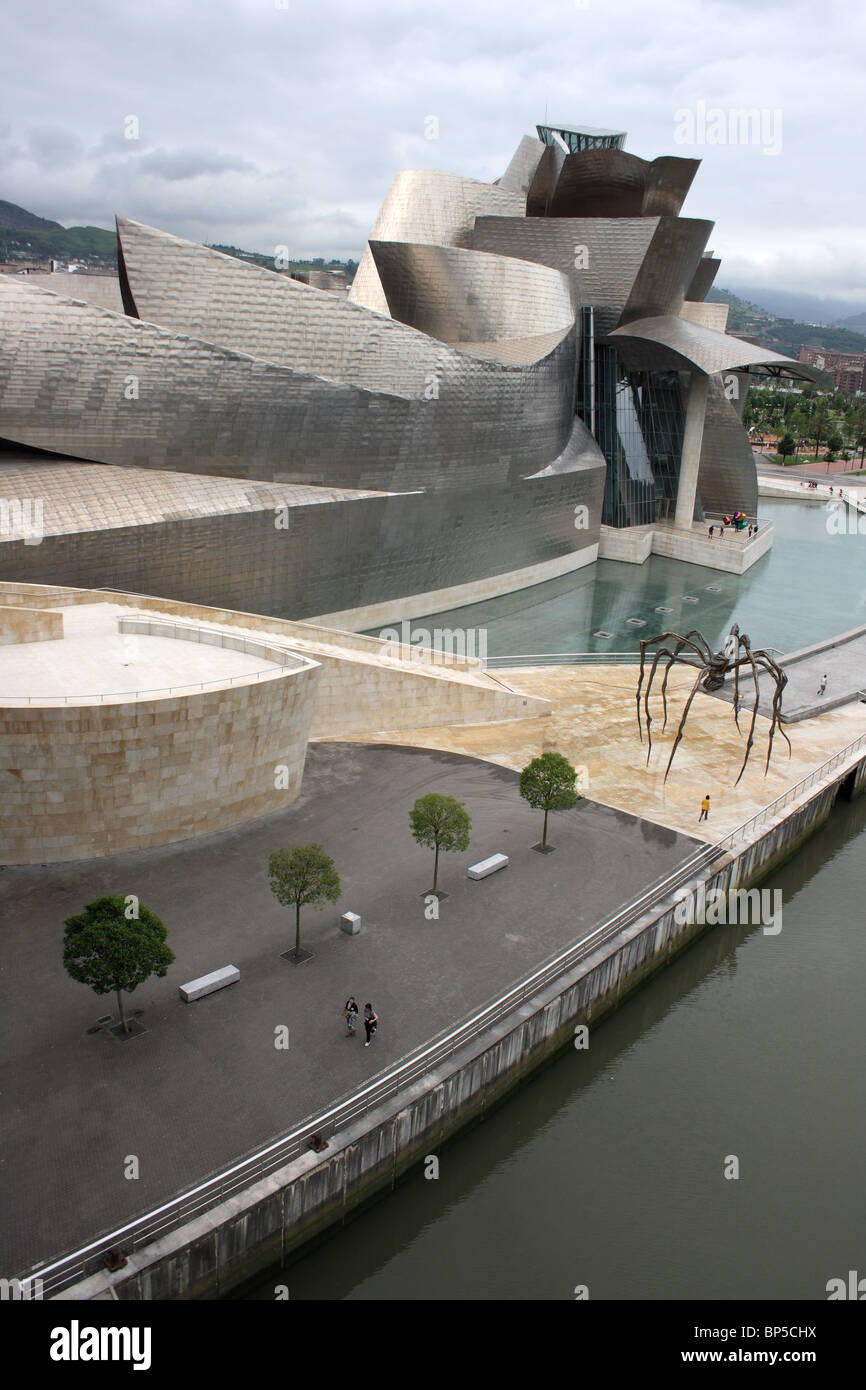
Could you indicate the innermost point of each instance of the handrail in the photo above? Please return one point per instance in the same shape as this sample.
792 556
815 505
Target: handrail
793 792
562 659
71 1268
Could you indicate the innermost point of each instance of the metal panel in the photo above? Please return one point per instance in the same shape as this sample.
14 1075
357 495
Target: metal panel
518 176
428 206
668 268
727 478
600 255
77 379
462 296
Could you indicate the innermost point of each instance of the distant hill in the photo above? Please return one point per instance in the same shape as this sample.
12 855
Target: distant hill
800 307
783 335
26 237
20 220
857 322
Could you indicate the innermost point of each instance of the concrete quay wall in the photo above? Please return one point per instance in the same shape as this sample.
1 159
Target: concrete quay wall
270 1221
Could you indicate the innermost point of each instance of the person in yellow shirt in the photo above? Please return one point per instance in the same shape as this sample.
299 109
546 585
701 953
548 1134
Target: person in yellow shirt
705 809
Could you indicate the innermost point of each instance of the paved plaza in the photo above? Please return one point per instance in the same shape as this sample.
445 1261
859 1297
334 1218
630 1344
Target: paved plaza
206 1083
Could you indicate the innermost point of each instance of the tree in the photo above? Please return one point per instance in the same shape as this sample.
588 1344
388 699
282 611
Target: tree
115 944
820 423
547 783
303 877
440 823
835 442
787 445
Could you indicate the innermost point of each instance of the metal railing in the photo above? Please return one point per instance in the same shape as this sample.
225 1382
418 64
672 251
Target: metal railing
71 1268
793 793
562 659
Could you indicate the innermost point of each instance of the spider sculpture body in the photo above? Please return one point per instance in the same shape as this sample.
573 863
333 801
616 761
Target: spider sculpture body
713 667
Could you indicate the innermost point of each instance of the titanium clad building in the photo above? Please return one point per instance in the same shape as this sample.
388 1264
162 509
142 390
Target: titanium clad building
515 364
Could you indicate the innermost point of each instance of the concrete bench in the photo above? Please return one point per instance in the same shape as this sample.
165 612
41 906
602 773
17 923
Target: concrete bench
350 923
206 984
486 867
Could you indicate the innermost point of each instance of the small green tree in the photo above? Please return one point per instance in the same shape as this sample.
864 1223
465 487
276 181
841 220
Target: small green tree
115 944
440 823
303 877
547 783
787 445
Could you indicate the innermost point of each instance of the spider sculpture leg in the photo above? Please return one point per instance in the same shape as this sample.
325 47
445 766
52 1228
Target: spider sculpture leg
701 674
703 651
751 738
671 657
781 680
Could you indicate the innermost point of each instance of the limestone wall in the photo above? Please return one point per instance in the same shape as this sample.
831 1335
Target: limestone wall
81 781
29 625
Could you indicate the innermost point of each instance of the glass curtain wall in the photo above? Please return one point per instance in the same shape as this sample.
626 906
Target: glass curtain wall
638 419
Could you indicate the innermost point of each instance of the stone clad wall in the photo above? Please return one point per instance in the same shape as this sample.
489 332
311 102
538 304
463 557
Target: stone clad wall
29 625
81 781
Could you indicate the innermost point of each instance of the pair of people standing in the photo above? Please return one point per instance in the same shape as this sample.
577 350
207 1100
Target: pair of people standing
371 1018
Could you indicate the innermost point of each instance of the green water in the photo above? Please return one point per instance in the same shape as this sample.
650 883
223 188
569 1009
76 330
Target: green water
607 1169
811 585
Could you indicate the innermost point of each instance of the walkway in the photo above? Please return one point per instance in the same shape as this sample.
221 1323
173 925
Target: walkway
206 1084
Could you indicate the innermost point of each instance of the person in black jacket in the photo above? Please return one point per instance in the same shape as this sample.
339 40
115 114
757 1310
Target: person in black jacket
371 1020
350 1013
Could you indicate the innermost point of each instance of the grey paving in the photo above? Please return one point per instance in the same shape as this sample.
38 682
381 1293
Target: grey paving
205 1084
842 659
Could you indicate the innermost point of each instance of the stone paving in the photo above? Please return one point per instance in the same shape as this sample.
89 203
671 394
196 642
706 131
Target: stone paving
594 723
205 1084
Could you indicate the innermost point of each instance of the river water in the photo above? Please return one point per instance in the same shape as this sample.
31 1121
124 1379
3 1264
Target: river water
608 1169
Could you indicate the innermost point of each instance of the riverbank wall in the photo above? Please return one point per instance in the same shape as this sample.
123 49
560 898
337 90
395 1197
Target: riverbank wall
269 1222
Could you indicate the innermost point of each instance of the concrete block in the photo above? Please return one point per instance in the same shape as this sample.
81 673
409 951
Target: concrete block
206 984
485 867
350 923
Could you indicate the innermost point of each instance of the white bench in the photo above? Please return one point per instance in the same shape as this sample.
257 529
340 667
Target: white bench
486 867
350 923
206 984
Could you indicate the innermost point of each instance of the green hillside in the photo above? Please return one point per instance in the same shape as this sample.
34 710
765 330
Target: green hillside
20 220
93 246
782 335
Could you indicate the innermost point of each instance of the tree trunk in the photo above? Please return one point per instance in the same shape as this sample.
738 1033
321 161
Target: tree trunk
122 1014
436 869
544 832
297 930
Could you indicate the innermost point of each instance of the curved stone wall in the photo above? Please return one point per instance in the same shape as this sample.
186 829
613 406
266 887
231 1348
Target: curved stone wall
80 781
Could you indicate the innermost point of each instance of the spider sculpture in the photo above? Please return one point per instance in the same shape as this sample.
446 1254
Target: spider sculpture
714 667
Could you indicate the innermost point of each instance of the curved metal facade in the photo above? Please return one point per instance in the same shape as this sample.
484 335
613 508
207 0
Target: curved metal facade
502 347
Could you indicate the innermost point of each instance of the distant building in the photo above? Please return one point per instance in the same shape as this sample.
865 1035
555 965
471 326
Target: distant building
848 369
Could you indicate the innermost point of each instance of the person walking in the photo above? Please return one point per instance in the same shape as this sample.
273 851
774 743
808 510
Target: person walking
350 1013
711 532
705 809
371 1021
823 685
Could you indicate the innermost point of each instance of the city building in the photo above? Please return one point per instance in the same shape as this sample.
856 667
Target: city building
523 375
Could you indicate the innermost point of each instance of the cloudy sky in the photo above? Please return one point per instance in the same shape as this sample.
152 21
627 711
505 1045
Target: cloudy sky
279 122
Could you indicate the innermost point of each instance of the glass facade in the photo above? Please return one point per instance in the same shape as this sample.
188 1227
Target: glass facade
579 140
638 419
